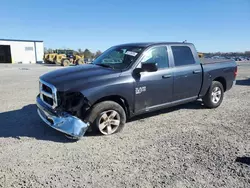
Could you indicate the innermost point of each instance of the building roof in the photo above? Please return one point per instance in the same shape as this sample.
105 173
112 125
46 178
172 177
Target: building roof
19 40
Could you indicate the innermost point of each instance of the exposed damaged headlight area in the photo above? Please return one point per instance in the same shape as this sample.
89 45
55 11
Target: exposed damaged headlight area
72 102
68 124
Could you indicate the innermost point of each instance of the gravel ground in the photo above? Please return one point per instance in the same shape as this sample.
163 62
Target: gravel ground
185 146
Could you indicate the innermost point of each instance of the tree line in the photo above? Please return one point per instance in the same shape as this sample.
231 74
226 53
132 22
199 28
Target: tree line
92 55
87 53
228 54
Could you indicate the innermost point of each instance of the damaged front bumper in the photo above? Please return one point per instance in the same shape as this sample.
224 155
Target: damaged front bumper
68 124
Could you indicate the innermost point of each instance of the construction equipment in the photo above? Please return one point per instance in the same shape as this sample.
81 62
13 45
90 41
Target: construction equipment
49 58
64 58
67 57
201 55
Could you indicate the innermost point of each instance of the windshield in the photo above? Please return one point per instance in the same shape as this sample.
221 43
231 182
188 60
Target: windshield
119 57
61 51
70 52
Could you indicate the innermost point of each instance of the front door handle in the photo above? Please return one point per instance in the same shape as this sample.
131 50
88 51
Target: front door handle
166 76
196 71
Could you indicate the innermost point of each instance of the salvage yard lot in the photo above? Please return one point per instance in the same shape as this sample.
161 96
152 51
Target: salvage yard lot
185 146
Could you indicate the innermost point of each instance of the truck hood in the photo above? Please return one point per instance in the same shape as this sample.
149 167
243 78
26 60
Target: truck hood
71 78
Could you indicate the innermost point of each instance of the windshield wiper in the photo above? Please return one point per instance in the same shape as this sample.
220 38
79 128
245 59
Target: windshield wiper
104 65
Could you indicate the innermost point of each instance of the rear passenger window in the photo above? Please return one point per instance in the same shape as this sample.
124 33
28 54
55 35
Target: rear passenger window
182 55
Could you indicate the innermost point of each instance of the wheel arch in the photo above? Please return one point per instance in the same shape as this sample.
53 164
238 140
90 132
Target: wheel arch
118 99
223 81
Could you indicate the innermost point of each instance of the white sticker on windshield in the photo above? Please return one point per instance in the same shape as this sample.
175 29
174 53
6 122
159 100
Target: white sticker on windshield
131 53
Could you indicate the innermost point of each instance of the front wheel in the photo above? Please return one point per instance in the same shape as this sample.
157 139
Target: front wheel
108 117
214 95
65 62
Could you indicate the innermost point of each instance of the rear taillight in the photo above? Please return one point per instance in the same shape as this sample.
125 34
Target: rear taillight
235 72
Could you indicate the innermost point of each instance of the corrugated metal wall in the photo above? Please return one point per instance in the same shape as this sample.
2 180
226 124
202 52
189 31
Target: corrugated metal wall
25 52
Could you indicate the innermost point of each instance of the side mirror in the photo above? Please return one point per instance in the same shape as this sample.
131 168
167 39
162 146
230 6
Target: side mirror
149 67
145 67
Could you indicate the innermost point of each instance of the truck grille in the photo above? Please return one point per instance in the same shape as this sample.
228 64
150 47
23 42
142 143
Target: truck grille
47 89
48 94
48 100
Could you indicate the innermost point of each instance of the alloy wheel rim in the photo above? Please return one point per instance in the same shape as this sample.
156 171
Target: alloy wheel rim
216 95
109 122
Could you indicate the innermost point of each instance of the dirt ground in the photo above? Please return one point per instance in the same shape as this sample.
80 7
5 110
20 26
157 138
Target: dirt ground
184 146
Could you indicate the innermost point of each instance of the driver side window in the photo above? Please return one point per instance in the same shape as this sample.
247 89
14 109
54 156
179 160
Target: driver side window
158 55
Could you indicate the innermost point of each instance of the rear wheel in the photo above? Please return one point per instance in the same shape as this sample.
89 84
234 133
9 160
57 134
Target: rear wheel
108 117
214 95
79 62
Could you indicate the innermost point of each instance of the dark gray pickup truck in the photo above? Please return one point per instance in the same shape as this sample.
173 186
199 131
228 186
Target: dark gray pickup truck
128 80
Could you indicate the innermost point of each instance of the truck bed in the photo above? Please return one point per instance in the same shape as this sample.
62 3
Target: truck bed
218 69
210 61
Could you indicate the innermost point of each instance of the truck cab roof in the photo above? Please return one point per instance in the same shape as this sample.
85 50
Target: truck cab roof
148 44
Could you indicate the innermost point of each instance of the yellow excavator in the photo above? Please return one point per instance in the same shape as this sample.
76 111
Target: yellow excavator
64 58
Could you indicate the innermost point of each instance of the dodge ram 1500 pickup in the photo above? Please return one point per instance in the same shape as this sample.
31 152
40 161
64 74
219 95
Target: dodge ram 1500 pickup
127 80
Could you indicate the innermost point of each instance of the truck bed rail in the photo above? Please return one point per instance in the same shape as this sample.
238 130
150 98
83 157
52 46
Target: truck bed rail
210 60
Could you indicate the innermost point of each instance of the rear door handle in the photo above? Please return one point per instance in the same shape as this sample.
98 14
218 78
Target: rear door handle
166 76
196 71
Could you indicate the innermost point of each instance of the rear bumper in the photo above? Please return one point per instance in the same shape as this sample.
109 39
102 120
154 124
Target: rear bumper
67 123
234 83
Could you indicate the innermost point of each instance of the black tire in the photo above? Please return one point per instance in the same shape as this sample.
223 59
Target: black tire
208 98
65 62
79 62
97 112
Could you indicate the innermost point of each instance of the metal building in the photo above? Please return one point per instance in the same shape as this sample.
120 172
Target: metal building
21 51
